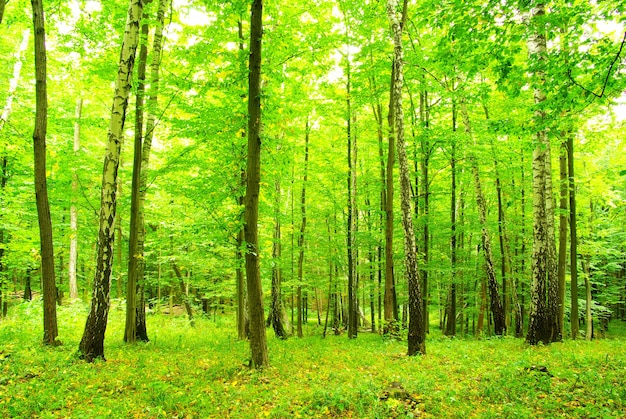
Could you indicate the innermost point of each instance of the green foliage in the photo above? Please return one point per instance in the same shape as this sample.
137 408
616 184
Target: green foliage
200 372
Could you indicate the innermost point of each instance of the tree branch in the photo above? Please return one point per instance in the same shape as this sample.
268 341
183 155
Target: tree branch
608 74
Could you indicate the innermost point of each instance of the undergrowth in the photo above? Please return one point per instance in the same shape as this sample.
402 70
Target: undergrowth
200 372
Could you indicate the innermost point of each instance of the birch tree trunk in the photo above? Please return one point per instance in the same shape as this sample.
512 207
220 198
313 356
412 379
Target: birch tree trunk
544 290
41 189
417 333
4 117
258 340
92 343
73 282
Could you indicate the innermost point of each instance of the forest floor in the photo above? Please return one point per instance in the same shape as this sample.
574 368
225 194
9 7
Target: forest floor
200 372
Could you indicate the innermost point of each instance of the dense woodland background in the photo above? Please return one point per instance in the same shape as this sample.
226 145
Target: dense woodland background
326 76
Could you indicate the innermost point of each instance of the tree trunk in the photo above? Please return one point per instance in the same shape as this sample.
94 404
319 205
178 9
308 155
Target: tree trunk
353 315
73 282
17 67
573 238
243 326
184 293
302 229
425 193
2 6
133 281
152 101
544 292
3 182
562 265
494 295
41 189
390 298
258 341
587 263
417 333
450 329
276 309
92 343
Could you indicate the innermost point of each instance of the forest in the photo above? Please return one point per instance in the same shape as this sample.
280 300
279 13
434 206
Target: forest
411 190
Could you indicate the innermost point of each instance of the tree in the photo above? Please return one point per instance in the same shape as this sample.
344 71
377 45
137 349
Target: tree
497 310
155 65
2 6
302 228
417 332
258 342
4 161
276 308
543 325
92 343
73 283
41 188
134 281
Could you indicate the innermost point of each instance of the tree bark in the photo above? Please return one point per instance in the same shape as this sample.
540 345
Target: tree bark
73 282
302 229
562 264
276 309
544 292
41 189
183 292
2 6
390 298
450 329
417 333
133 280
573 238
243 326
353 315
4 161
151 108
494 295
425 193
258 340
92 343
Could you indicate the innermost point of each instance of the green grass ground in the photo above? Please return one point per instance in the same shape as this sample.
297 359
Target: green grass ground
199 373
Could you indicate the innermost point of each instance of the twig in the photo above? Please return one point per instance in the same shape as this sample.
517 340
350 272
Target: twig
608 74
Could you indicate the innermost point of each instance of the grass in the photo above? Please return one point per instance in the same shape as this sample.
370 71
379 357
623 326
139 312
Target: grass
200 373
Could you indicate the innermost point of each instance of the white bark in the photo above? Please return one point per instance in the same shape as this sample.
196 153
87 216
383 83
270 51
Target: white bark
17 68
73 210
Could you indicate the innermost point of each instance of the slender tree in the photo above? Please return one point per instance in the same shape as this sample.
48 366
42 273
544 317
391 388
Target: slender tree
73 282
2 6
573 231
450 329
92 343
276 308
302 229
417 332
353 314
4 160
497 310
258 340
133 281
41 188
